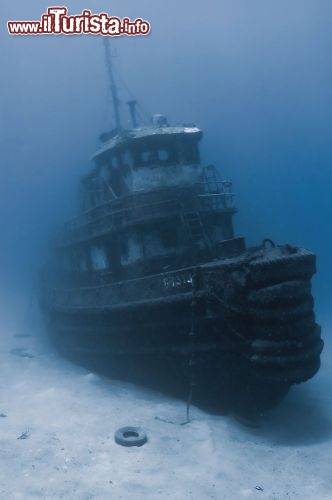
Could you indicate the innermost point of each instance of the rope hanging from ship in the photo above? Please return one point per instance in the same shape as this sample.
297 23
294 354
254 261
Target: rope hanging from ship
192 357
193 338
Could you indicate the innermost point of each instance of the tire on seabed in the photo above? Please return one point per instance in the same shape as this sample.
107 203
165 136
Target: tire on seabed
130 436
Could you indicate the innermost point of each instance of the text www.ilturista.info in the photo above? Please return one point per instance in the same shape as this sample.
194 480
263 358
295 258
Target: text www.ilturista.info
57 22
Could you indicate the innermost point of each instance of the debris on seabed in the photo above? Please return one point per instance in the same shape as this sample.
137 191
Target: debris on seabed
23 353
25 435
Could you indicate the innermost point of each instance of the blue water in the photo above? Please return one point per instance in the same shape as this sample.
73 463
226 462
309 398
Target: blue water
255 76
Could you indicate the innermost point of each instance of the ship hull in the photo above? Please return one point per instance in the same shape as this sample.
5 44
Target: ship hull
233 334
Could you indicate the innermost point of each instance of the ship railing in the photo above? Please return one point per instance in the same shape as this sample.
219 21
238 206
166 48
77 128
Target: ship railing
135 208
220 197
161 285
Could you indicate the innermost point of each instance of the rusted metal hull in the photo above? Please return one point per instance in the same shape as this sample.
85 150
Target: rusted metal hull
240 331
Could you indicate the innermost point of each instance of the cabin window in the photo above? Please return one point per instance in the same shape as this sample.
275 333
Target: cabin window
104 173
125 159
163 155
99 258
103 183
131 250
145 157
167 152
115 183
160 242
114 161
149 157
156 156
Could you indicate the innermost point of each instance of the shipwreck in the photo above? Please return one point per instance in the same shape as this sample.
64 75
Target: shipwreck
150 281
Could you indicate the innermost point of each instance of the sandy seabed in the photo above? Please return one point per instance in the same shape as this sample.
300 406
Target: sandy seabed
58 421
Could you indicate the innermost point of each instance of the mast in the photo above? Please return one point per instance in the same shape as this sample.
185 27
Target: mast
114 92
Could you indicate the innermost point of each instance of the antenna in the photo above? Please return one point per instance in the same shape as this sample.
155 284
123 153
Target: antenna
132 111
114 92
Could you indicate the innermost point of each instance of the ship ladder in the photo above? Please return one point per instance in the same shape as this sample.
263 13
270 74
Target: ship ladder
194 228
193 225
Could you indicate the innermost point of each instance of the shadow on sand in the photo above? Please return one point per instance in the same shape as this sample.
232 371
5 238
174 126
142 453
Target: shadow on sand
303 418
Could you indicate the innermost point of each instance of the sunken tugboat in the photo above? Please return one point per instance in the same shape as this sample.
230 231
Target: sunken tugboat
150 279
149 283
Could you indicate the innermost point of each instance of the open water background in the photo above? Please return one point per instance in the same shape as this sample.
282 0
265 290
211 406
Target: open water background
255 76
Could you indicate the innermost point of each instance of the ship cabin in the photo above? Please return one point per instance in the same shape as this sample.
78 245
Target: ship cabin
149 206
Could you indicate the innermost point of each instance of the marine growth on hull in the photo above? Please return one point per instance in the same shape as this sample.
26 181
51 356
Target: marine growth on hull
150 284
